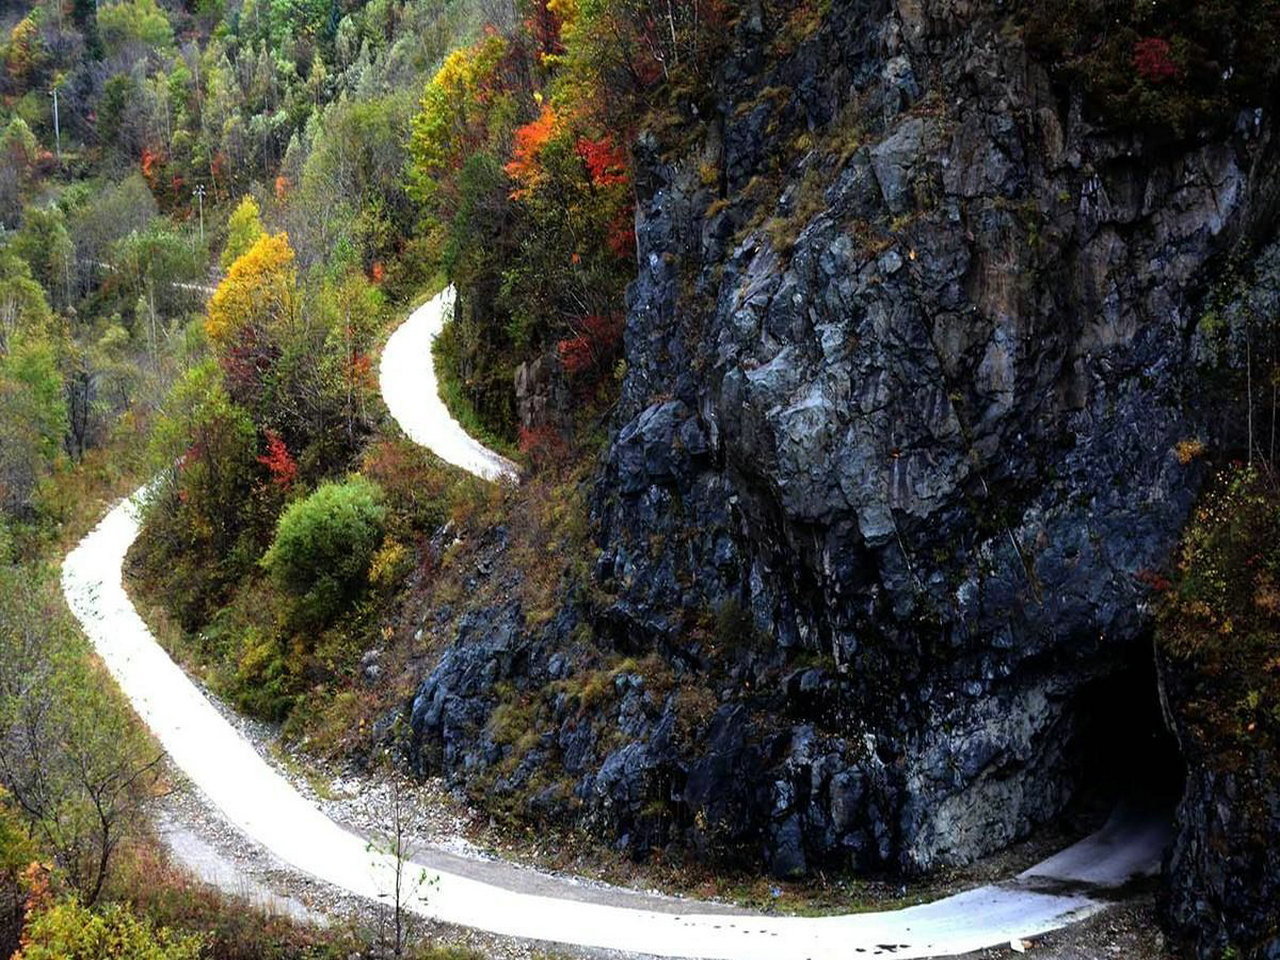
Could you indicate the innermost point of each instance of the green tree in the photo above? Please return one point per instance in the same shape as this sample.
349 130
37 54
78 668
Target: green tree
353 311
324 545
33 420
134 25
23 307
162 269
98 225
17 143
206 446
44 242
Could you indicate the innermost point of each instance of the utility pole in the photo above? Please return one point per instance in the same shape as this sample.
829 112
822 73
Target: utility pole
57 130
200 198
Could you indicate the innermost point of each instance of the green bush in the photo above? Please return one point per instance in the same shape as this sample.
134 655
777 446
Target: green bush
324 545
68 931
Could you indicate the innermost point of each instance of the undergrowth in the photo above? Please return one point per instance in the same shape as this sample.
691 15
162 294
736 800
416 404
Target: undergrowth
1219 620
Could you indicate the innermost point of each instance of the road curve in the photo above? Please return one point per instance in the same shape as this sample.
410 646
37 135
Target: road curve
269 811
407 377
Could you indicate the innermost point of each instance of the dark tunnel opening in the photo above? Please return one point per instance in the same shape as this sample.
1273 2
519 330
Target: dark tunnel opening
1125 755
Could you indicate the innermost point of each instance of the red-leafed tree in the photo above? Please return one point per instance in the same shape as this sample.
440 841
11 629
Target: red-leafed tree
246 363
606 161
279 462
1153 60
593 348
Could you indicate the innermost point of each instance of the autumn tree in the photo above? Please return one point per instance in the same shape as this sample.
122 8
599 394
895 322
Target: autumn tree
619 52
572 197
244 229
529 191
467 106
353 311
260 289
25 53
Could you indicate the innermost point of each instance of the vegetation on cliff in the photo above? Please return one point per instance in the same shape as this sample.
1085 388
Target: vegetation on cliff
1220 618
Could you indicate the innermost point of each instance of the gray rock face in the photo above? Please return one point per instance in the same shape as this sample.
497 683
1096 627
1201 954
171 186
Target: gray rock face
930 420
1225 869
541 391
899 420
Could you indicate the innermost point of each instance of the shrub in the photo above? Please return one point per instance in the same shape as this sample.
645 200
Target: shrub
68 931
1219 620
417 488
325 544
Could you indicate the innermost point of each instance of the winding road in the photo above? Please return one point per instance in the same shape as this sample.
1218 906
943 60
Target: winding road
513 901
407 377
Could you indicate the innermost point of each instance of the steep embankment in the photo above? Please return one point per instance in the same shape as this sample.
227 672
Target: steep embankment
263 805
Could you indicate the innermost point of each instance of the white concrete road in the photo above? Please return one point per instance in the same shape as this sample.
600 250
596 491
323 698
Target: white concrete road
407 377
257 800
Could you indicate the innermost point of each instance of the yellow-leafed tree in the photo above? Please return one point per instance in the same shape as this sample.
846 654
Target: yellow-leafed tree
260 288
244 229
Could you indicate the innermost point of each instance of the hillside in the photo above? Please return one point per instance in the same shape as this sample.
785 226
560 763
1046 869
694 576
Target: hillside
852 475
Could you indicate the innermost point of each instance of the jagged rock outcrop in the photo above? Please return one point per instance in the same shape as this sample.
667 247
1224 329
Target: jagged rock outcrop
1224 874
937 452
542 393
909 354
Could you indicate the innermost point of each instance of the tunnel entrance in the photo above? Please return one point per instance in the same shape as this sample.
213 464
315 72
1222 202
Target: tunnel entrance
1124 753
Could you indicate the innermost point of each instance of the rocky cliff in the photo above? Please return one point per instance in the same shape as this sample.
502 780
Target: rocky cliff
916 414
911 354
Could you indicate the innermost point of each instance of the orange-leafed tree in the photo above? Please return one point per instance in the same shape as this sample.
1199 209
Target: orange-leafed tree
530 140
